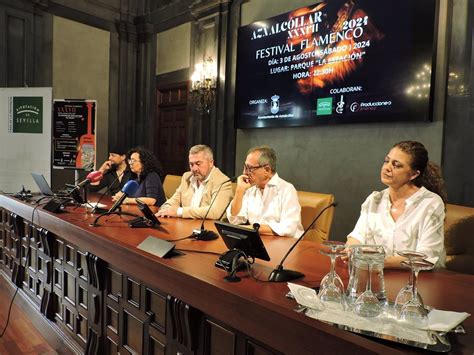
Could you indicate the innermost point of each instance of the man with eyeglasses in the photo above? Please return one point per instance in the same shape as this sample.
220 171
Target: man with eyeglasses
198 188
263 197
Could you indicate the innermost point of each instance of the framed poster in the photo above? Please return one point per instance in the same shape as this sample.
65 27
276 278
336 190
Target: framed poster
74 134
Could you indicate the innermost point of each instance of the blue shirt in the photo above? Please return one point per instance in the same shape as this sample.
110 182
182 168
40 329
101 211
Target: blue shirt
151 187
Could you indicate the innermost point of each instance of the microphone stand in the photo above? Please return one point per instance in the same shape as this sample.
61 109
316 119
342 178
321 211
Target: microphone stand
118 212
202 234
97 209
129 189
107 213
279 274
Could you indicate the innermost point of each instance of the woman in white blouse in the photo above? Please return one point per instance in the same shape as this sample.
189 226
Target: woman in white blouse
409 214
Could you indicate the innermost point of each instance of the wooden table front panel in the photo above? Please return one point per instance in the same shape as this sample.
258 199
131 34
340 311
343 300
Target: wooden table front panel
152 305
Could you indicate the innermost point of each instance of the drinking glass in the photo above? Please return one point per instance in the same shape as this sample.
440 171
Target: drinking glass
404 295
413 313
368 304
335 251
331 291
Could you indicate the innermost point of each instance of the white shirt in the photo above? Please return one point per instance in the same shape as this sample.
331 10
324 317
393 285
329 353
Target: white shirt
419 228
277 206
198 192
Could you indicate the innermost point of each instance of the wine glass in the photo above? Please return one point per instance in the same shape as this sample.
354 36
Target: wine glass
331 291
335 251
404 295
367 304
413 313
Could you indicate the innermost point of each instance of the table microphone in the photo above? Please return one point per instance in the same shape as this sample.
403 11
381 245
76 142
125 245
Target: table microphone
97 209
203 234
128 189
279 274
94 176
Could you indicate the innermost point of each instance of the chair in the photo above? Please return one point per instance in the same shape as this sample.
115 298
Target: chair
170 185
459 238
311 204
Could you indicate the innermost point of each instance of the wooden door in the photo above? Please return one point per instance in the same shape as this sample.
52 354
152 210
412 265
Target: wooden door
170 136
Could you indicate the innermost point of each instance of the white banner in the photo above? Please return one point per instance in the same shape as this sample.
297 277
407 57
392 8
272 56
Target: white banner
25 137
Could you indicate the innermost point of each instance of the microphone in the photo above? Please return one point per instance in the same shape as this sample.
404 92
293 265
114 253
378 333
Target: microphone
94 176
128 189
279 274
203 234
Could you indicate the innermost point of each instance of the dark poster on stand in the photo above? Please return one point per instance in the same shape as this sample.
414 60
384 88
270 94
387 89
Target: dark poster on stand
74 134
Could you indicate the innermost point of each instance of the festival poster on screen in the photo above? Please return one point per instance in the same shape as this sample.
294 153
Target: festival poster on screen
337 61
74 134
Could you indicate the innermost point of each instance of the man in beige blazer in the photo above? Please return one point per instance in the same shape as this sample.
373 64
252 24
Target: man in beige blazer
198 187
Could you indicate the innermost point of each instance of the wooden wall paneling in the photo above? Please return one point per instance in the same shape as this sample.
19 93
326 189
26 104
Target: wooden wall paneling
29 259
25 44
134 319
112 294
245 306
184 327
253 348
219 340
171 144
68 288
45 241
155 308
58 248
133 327
135 315
9 245
91 295
2 236
16 234
19 47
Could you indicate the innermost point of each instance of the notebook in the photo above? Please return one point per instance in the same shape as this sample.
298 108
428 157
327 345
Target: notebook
42 184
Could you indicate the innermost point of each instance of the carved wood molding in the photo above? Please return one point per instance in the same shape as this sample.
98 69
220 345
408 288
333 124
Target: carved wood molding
127 31
144 29
202 8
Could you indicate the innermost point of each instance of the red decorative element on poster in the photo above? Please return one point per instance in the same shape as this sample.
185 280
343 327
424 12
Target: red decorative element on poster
86 147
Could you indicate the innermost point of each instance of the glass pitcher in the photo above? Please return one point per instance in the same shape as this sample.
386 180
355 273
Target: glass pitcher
366 278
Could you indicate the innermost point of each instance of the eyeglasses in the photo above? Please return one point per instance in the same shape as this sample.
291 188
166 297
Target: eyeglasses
250 169
133 161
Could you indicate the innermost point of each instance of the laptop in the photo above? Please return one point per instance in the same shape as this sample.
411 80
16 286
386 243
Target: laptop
42 184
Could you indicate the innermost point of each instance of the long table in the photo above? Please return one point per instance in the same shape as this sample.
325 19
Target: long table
110 296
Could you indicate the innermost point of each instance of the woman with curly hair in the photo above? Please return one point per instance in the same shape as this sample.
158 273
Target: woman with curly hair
409 214
149 173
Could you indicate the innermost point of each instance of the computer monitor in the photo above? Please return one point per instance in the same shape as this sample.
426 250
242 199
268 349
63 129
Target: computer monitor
148 220
243 238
